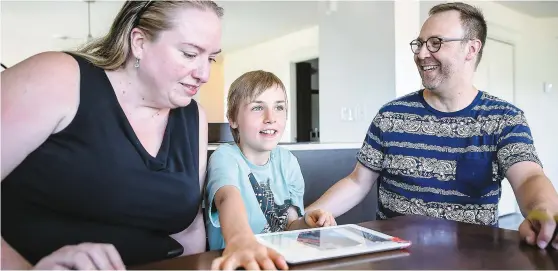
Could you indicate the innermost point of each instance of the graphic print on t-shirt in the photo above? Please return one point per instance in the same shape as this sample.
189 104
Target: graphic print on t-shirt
276 215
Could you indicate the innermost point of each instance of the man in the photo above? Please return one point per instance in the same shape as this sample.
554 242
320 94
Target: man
443 151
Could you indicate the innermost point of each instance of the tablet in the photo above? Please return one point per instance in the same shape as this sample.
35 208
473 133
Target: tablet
309 245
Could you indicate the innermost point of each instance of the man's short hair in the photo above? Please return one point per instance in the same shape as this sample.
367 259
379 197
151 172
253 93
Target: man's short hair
472 21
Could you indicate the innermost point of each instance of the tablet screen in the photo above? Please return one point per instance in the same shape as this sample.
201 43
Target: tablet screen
326 239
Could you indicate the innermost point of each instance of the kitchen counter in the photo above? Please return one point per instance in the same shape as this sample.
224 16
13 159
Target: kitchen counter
305 146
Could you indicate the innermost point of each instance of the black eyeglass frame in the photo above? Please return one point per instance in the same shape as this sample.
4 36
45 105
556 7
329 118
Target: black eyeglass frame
442 40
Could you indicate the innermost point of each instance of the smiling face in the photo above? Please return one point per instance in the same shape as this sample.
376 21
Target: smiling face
177 62
261 121
443 68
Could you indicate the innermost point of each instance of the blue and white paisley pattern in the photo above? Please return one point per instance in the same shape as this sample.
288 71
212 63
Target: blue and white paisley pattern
446 165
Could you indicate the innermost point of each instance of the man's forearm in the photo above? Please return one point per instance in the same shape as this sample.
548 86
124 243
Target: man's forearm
297 224
11 260
536 192
342 196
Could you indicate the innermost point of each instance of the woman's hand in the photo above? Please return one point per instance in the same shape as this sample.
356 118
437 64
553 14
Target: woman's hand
319 218
85 256
246 252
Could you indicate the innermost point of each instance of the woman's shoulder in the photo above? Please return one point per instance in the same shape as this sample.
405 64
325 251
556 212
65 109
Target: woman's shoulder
56 66
50 77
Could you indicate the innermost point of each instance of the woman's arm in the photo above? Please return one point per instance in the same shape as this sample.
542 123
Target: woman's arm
40 96
11 260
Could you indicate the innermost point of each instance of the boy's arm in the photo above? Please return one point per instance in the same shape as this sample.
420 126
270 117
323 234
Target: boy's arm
242 249
232 214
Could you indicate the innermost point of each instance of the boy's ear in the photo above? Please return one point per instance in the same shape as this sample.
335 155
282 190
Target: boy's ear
233 124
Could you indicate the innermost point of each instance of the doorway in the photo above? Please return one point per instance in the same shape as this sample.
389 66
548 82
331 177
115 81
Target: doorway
495 75
307 101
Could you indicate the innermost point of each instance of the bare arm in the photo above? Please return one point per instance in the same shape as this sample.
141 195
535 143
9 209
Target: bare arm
531 187
538 201
294 221
37 101
242 250
232 214
11 260
346 193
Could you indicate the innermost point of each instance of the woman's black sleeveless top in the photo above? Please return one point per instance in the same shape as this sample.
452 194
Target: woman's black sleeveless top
94 182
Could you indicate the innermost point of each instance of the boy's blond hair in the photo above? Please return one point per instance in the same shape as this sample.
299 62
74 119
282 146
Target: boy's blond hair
245 89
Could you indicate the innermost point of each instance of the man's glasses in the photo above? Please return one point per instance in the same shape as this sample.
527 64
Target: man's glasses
433 44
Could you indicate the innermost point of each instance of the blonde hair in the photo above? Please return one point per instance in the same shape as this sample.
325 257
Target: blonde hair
111 51
246 88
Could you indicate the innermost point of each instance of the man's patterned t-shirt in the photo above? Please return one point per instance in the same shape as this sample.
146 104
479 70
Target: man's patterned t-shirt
445 165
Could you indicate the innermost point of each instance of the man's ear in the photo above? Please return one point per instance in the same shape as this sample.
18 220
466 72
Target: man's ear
474 48
137 41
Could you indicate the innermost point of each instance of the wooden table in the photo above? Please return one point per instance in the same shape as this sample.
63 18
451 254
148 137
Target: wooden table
437 244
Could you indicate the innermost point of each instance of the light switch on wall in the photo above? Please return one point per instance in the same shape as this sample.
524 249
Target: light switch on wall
547 87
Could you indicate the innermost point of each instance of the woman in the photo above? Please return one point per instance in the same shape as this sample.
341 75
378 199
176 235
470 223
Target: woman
104 150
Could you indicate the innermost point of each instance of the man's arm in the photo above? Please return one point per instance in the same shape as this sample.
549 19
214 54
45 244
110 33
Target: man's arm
295 222
532 188
348 192
518 160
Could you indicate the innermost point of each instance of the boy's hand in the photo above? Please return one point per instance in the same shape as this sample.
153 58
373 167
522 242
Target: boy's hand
319 218
246 252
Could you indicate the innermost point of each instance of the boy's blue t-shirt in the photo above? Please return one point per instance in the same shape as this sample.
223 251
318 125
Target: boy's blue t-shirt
268 191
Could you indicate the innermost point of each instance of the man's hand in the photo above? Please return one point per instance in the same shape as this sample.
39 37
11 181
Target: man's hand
85 256
319 218
246 252
539 228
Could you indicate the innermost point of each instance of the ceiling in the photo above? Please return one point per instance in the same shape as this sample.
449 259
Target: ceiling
245 23
250 22
537 9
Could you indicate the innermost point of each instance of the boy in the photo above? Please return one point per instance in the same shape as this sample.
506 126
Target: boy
254 186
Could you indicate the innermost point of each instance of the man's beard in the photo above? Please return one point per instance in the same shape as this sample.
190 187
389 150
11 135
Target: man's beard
432 82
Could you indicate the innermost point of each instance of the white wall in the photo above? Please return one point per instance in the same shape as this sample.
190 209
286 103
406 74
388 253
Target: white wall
21 40
31 27
357 68
276 56
407 28
536 55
